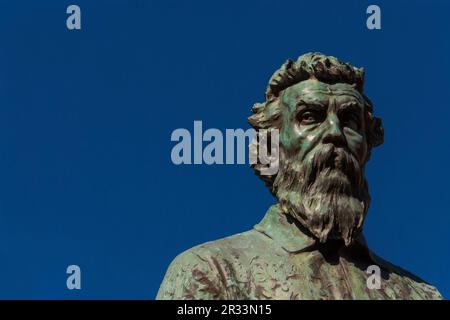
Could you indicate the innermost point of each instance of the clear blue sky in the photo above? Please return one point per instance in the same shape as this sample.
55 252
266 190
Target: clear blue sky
86 118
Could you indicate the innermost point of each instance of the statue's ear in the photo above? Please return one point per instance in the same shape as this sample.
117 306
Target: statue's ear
375 132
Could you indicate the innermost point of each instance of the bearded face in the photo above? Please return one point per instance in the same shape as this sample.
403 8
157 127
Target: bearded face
323 149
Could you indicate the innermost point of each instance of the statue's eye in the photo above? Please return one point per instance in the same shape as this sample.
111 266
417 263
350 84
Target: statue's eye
351 120
310 117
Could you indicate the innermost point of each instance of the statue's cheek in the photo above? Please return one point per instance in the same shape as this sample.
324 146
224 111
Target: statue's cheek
300 138
356 142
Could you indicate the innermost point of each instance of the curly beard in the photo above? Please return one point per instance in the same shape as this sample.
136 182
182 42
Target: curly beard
327 193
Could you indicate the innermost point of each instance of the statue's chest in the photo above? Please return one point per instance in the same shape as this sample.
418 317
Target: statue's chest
303 276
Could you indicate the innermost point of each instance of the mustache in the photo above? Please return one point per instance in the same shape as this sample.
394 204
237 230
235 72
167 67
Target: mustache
328 160
326 191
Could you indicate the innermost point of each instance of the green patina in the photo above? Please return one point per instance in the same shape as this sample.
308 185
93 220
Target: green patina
310 244
276 260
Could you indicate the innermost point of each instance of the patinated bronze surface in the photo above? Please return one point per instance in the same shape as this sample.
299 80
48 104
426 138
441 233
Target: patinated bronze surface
310 244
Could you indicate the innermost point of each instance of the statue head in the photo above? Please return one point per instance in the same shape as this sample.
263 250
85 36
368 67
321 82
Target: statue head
326 133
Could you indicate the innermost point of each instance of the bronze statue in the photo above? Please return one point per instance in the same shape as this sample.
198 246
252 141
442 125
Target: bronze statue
309 245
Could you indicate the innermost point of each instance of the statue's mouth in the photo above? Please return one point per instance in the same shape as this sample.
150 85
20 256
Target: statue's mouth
333 170
332 162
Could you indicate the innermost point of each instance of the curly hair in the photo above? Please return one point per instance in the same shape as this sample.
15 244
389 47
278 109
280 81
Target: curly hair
313 65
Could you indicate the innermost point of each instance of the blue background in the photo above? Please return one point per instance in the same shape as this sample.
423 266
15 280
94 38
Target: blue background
86 117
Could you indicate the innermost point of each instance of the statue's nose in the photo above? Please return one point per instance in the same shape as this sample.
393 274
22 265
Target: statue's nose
333 132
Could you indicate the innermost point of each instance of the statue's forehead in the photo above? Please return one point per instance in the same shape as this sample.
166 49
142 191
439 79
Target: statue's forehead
319 91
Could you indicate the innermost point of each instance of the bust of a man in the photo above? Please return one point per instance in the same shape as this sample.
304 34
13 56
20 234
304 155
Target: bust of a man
309 245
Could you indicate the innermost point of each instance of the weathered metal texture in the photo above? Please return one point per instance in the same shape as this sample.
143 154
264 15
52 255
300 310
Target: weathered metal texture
276 260
309 245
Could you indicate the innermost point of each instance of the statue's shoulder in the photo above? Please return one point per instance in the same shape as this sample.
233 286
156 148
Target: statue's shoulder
200 272
229 248
232 246
422 288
